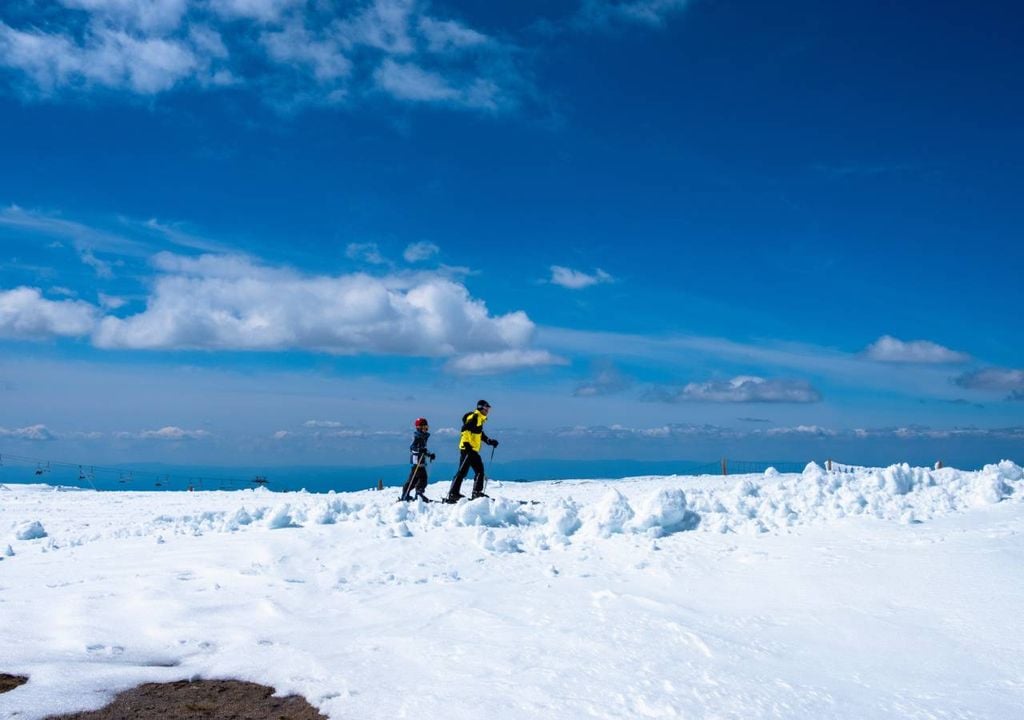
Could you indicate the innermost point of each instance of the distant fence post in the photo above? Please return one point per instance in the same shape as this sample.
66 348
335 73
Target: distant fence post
725 466
380 483
828 464
938 464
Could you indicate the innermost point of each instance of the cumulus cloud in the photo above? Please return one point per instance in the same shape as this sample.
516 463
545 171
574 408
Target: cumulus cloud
893 350
26 314
290 52
419 251
233 302
995 379
36 433
750 389
577 280
486 363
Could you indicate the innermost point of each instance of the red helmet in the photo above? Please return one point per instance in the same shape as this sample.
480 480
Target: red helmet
421 422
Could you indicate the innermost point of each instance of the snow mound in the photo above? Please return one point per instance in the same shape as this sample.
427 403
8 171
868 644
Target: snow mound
31 530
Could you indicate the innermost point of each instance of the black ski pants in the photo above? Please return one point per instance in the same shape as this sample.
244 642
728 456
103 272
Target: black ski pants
416 483
469 458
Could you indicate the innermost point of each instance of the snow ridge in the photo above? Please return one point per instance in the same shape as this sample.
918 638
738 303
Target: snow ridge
651 506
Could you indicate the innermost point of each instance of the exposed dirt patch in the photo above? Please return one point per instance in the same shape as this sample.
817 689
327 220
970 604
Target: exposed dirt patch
201 700
9 682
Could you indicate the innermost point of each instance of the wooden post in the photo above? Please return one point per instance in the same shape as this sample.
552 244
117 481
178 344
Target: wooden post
828 464
938 464
380 483
725 466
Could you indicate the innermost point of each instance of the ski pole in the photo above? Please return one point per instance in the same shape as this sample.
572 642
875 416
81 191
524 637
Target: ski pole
407 488
489 462
451 487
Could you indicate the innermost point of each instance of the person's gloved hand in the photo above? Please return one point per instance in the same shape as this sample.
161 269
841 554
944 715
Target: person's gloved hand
492 442
432 456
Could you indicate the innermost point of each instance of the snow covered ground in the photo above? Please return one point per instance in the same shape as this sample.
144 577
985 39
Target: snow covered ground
859 593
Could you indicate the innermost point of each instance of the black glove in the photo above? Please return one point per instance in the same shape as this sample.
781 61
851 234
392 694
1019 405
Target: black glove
492 442
432 456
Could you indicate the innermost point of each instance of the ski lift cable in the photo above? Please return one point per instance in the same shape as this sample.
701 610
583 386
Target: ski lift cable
45 465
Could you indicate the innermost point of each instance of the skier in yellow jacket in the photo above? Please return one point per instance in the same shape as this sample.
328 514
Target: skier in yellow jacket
473 436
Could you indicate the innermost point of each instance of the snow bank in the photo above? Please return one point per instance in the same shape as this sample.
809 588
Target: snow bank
546 515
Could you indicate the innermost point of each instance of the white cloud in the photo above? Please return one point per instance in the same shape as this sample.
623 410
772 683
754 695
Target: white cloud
449 35
366 252
323 424
890 349
105 58
291 52
169 432
804 430
145 15
111 302
408 81
746 388
82 236
419 251
577 280
486 363
231 302
267 11
37 433
26 314
294 44
384 25
100 267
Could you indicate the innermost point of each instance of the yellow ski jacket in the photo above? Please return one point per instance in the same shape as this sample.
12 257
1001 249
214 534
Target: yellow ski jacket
473 430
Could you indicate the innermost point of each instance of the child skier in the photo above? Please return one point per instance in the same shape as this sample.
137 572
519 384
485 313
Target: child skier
419 455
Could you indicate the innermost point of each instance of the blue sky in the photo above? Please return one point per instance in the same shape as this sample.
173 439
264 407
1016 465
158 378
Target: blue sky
277 230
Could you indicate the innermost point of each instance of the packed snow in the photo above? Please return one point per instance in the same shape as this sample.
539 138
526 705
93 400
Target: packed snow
848 593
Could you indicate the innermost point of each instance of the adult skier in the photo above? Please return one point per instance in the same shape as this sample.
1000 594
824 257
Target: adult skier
473 436
418 455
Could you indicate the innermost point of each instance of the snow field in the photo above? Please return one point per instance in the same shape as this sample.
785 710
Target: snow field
747 596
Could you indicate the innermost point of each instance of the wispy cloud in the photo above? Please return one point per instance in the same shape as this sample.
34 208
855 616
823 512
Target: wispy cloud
83 237
419 251
102 268
782 358
289 52
576 279
893 350
605 380
488 363
365 252
608 13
